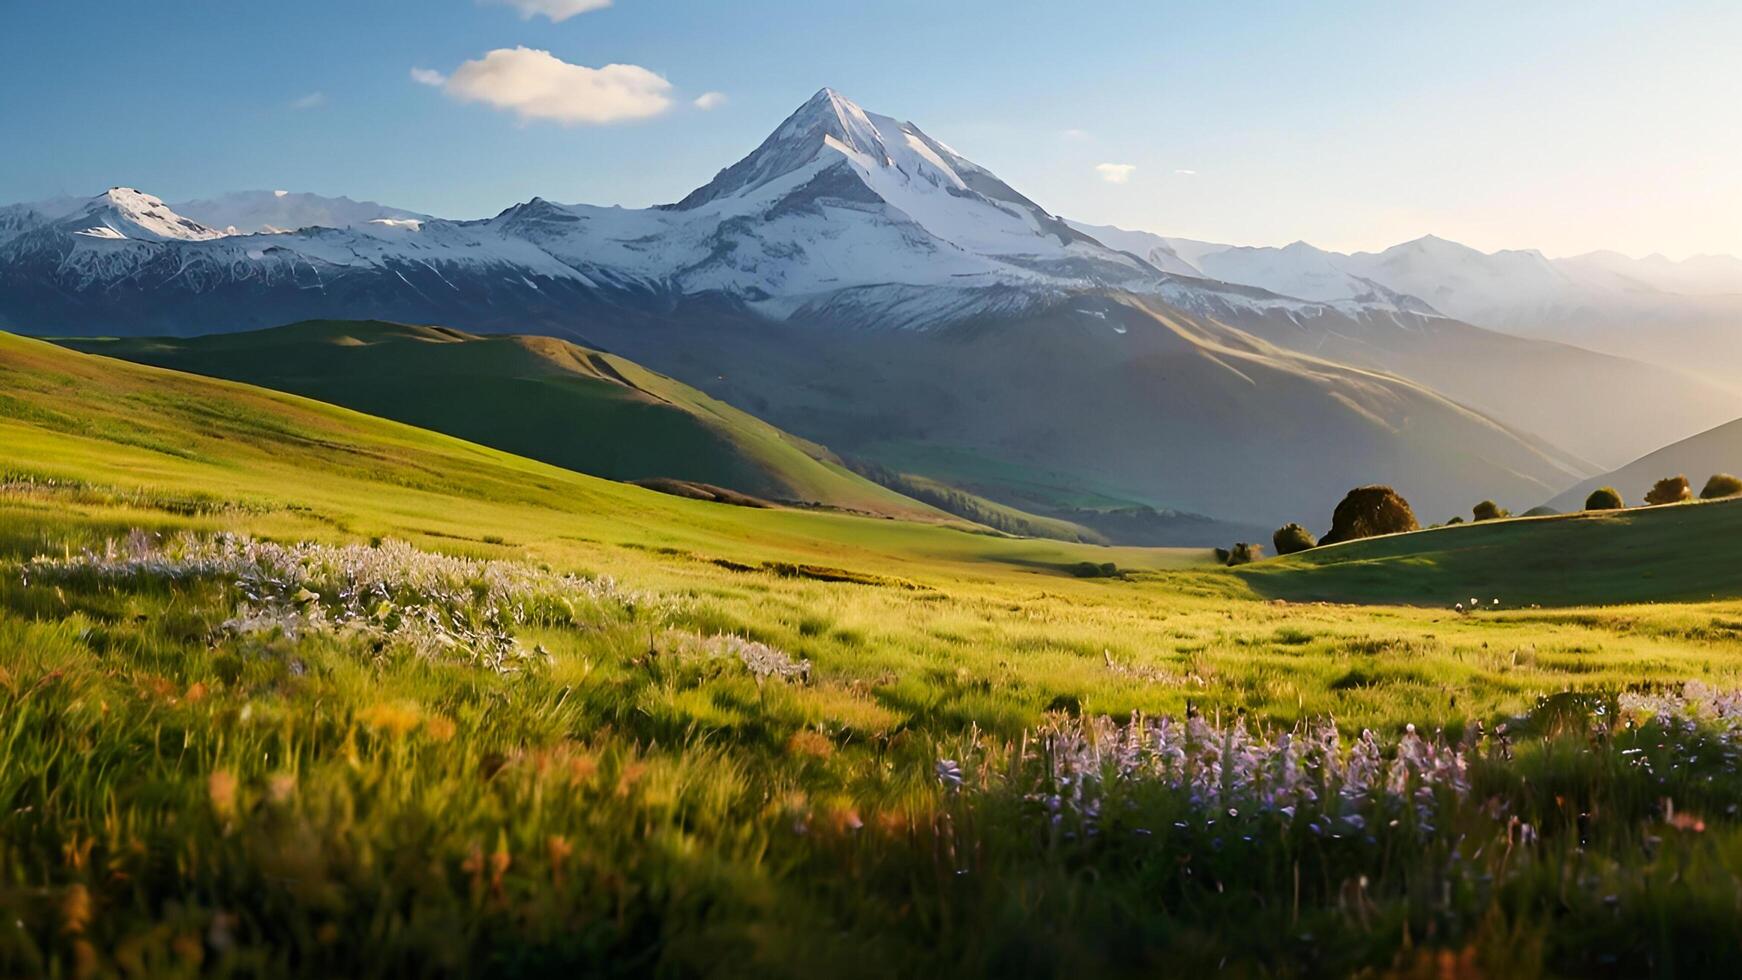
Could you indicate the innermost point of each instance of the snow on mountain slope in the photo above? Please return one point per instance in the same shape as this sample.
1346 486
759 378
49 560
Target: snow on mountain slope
253 212
1463 282
1149 247
125 213
1304 271
840 215
1299 270
1699 275
16 219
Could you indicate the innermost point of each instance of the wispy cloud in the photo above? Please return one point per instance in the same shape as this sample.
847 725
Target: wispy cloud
1074 135
1115 173
557 10
428 76
710 100
1186 173
538 85
313 100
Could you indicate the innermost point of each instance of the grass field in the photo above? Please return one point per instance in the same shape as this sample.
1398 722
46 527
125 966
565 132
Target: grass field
573 726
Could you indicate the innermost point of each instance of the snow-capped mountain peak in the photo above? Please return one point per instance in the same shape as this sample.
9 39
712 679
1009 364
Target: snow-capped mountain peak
126 213
840 216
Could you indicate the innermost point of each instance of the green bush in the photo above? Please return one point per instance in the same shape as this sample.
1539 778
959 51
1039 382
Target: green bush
1245 554
1488 510
1369 511
1669 490
1721 486
1292 538
1605 498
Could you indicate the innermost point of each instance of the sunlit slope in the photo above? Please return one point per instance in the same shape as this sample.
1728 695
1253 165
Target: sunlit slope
242 456
1716 450
538 397
1685 552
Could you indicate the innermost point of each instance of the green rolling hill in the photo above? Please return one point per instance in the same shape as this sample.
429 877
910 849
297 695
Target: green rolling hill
538 397
1646 554
109 444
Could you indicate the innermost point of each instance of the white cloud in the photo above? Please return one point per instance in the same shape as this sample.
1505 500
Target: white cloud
1186 173
428 76
538 85
1115 173
1074 135
557 10
710 100
313 100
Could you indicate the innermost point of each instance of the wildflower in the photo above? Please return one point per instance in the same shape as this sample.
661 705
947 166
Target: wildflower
221 788
949 774
843 818
558 849
437 605
810 743
499 862
473 865
396 720
75 910
629 776
281 787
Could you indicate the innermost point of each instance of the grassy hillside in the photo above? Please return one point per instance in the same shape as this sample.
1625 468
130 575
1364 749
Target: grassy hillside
1126 401
1717 450
556 725
309 467
1652 554
537 397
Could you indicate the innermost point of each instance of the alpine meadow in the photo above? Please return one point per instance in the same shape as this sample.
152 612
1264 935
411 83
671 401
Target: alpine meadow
832 561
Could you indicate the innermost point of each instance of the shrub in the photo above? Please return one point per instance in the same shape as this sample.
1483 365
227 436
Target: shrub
1292 538
1455 520
1222 556
1369 511
1669 490
1542 511
1604 498
1089 569
1245 554
1488 510
1721 486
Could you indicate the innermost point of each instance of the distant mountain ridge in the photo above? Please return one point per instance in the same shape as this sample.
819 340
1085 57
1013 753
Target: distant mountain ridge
840 215
278 211
1699 457
1686 315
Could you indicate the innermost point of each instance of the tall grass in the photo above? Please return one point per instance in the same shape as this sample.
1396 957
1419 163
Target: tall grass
662 786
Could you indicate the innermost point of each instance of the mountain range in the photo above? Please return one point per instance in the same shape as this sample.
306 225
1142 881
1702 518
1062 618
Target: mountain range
862 284
1682 314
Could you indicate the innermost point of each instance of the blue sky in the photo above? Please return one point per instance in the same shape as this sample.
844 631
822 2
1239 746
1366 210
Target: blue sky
1562 126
